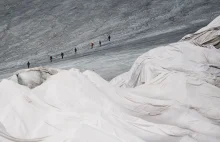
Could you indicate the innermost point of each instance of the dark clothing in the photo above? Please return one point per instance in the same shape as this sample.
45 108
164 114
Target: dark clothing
28 64
100 43
51 58
75 50
62 55
109 38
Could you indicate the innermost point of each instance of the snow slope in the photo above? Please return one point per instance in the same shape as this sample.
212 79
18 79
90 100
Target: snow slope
171 95
35 29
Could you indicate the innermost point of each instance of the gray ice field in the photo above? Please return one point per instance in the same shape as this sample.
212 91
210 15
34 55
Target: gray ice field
34 30
113 58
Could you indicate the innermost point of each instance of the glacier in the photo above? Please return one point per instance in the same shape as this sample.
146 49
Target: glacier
34 30
171 94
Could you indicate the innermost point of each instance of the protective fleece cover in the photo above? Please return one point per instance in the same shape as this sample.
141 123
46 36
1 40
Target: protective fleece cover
208 36
171 94
33 77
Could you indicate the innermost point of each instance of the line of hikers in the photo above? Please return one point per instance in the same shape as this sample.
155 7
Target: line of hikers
100 43
62 54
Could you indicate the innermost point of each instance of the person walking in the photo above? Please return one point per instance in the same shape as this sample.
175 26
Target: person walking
100 43
62 55
75 50
109 38
51 58
28 64
92 45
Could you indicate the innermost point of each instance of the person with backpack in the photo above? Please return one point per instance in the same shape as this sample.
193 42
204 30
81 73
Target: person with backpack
51 58
109 38
100 43
62 55
28 64
92 45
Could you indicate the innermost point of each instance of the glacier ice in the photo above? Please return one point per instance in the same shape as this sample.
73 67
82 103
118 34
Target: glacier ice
170 94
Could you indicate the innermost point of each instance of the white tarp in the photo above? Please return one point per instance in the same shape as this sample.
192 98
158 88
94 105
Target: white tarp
171 94
33 77
208 36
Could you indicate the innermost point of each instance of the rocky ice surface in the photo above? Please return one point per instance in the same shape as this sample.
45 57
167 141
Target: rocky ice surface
171 94
33 30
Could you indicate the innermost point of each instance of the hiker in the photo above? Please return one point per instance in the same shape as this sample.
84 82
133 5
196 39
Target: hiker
62 55
92 45
28 64
51 58
100 43
75 50
109 38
